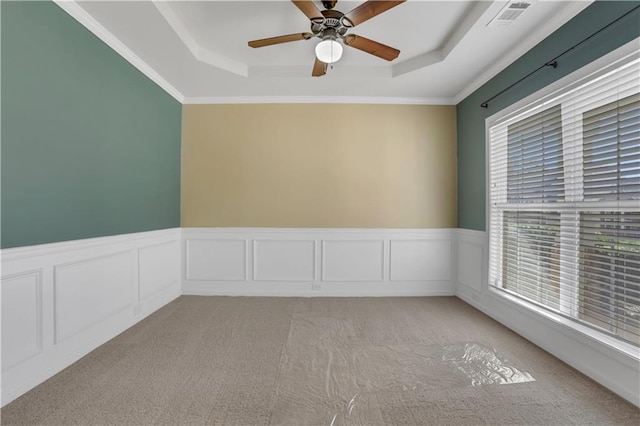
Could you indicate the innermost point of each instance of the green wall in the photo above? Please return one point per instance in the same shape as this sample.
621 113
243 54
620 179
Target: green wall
90 146
471 117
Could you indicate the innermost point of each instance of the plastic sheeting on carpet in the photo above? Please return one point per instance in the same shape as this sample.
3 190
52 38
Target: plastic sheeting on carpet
341 378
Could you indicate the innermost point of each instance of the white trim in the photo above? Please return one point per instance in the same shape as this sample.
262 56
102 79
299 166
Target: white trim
613 369
104 266
568 90
316 100
610 342
357 268
611 364
10 254
543 31
471 233
327 289
363 233
80 15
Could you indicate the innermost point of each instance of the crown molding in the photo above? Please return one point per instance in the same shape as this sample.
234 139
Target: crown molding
316 100
545 30
80 15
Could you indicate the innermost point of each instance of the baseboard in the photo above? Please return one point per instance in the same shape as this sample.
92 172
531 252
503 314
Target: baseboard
317 262
346 289
617 370
61 301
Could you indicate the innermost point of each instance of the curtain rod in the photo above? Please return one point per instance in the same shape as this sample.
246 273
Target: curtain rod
554 62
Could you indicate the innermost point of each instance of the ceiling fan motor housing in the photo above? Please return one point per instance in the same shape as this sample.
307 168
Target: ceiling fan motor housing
331 26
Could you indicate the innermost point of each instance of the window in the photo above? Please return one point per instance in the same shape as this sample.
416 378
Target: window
564 192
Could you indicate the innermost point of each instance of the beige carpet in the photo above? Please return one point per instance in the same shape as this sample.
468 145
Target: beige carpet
322 361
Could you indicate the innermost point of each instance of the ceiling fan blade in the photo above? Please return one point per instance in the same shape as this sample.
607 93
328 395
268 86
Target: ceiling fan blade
280 39
373 47
368 10
319 68
308 8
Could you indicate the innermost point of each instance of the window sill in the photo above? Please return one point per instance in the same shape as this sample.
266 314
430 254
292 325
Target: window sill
567 326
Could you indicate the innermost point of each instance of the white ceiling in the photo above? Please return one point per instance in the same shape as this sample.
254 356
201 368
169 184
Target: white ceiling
197 50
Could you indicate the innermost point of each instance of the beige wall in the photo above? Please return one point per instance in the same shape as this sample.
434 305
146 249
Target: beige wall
319 165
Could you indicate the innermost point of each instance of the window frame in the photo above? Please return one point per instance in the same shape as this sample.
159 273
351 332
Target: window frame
543 99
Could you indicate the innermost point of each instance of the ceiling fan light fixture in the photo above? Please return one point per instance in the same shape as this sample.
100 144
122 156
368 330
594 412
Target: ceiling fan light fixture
329 51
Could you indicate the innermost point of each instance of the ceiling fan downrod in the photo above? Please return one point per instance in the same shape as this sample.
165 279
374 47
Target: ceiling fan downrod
329 4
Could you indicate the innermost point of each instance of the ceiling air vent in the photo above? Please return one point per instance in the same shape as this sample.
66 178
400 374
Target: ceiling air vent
509 13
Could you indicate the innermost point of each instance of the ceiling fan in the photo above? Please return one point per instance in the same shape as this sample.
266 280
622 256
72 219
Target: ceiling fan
332 25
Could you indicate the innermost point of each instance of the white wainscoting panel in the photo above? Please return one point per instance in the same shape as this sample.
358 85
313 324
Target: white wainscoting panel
470 263
159 267
21 318
62 300
352 260
420 260
317 262
90 291
284 260
216 260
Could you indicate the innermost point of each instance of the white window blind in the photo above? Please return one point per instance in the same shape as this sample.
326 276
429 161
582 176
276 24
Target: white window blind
564 192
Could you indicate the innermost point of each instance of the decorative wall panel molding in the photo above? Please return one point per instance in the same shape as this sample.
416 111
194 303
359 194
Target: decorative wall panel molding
472 249
158 268
284 260
21 304
420 260
317 262
216 260
89 291
353 260
62 300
